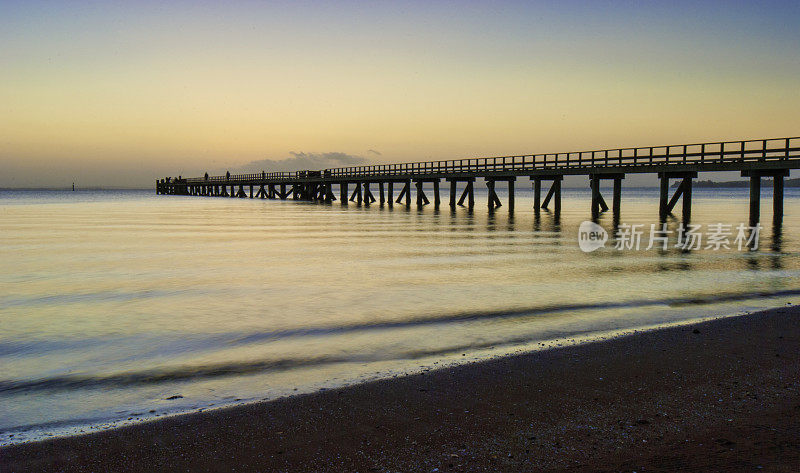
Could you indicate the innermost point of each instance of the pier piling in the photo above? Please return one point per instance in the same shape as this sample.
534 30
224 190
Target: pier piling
755 199
777 200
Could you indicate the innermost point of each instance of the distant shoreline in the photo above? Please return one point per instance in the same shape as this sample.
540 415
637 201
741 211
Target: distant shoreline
77 189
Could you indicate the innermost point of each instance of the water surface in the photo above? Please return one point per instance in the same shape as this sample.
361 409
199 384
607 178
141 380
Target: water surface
118 306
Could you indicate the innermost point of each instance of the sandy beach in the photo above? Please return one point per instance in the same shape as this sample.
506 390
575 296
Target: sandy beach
721 395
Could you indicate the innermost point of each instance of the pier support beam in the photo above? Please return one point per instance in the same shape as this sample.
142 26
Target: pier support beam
368 197
421 199
390 193
468 193
380 191
598 203
687 199
343 193
553 194
755 176
684 191
494 200
406 192
755 199
357 194
595 184
403 192
329 197
777 200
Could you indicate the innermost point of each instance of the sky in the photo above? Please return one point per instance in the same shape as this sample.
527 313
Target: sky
120 93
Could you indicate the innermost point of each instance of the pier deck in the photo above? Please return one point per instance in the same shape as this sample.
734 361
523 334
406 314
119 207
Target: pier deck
773 157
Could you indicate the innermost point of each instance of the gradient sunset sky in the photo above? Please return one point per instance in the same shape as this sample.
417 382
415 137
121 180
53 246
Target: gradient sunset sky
119 93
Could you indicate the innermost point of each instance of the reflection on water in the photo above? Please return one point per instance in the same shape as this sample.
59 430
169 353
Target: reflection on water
115 304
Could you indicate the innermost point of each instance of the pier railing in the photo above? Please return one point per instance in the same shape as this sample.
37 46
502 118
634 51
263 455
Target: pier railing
756 159
726 152
696 153
242 177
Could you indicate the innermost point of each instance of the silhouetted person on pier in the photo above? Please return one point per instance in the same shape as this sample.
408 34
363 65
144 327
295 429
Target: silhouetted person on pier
206 176
263 175
228 175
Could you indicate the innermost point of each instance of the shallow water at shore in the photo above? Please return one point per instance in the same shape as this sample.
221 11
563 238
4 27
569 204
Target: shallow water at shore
112 302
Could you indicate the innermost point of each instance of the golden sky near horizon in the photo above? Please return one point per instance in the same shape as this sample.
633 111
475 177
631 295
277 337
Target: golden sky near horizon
119 94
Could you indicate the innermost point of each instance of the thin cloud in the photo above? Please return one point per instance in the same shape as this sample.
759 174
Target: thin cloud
302 161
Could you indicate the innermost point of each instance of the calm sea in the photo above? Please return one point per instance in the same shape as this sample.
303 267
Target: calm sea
117 307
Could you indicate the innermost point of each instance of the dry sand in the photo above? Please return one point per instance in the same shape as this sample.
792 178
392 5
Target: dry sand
717 396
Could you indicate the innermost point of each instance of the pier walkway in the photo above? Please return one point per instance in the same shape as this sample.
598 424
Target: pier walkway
754 159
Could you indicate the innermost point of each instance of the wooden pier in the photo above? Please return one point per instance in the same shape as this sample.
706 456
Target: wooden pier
754 159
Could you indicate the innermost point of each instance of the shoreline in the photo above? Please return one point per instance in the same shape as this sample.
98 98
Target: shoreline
66 429
574 407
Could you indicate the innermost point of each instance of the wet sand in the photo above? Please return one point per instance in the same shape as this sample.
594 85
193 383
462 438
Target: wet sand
722 395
